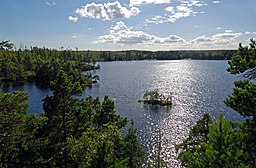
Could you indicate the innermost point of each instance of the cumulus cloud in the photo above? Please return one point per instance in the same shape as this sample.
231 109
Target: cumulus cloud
219 41
73 19
228 31
216 2
115 10
202 39
119 25
123 35
247 33
226 36
156 20
169 9
196 3
250 33
184 9
50 4
139 2
172 39
106 11
93 10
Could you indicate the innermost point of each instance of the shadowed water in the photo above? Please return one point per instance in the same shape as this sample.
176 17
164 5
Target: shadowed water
198 87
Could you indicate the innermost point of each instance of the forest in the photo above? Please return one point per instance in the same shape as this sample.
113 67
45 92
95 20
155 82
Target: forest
224 143
41 65
86 132
164 55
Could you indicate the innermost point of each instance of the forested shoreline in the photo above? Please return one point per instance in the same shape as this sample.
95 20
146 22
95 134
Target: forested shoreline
163 55
86 132
41 65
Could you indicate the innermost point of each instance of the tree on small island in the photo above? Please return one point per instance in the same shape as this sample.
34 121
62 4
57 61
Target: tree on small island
155 98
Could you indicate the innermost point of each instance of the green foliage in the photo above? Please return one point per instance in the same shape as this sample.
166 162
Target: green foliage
153 95
198 134
6 45
162 55
248 129
106 148
243 98
18 145
81 132
221 149
98 149
228 144
244 61
105 113
132 148
155 98
224 148
42 65
71 132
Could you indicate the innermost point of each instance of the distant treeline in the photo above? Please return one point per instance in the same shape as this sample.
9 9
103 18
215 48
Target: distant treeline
163 55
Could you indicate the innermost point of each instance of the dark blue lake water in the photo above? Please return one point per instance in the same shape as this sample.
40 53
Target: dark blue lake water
198 87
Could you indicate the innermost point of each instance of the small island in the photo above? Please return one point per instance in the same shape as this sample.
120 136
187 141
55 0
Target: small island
155 98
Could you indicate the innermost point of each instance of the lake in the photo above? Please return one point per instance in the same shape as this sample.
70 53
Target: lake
198 87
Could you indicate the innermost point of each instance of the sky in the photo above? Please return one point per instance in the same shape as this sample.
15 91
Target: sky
128 24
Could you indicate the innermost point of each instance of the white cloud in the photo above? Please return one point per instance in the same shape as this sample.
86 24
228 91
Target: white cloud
184 9
119 25
115 10
218 28
123 35
106 11
50 4
139 2
73 19
156 20
250 33
218 41
226 36
93 10
228 31
169 9
216 2
194 3
202 39
180 12
173 39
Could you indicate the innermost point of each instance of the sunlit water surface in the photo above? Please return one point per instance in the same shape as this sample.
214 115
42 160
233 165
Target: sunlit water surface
198 87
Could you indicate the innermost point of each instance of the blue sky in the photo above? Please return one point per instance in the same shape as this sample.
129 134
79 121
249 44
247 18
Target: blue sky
128 24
